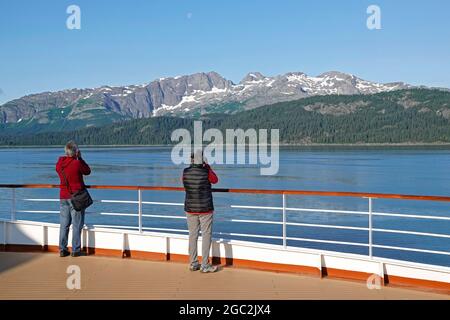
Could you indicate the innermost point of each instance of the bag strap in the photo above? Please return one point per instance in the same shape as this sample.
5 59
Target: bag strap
65 178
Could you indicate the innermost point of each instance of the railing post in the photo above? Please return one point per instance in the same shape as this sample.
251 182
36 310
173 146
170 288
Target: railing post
5 235
13 204
140 209
370 227
284 221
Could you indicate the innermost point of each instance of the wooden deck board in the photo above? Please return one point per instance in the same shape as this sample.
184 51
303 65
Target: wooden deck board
43 276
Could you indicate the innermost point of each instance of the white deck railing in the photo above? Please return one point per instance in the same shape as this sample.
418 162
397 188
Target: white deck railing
284 209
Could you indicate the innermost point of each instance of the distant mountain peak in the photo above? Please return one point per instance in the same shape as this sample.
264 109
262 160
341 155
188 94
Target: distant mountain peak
298 73
253 76
336 74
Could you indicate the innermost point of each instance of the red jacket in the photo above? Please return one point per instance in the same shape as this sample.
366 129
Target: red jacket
212 177
74 169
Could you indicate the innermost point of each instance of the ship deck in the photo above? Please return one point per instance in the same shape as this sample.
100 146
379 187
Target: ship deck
44 276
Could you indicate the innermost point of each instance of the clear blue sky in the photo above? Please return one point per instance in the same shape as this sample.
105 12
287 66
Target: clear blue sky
131 42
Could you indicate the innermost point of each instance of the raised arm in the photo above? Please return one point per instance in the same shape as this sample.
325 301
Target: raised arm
212 177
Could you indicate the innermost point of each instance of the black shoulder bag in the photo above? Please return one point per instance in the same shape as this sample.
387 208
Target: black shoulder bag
81 200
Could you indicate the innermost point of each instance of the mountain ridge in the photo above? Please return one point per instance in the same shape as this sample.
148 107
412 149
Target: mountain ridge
186 95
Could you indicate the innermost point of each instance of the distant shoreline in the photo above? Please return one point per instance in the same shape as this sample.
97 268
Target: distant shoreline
355 145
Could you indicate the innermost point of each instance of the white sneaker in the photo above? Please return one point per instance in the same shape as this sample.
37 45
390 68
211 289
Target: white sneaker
208 268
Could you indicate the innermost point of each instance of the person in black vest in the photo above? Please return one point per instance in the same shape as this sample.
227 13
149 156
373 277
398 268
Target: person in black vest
199 208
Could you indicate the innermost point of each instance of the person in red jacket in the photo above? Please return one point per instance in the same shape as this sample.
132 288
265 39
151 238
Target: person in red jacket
71 169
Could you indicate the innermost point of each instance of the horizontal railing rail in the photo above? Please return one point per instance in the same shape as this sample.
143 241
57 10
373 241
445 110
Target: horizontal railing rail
254 191
284 209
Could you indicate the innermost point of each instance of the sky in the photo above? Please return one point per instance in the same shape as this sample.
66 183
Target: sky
136 41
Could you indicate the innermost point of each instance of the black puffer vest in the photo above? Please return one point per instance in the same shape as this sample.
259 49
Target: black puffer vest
198 189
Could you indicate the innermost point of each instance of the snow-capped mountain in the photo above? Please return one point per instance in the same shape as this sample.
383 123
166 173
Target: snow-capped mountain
256 90
182 95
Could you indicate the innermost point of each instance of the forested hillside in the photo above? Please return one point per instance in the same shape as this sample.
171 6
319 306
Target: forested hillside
405 116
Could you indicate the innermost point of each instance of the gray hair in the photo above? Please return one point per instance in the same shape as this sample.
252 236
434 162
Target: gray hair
71 149
197 157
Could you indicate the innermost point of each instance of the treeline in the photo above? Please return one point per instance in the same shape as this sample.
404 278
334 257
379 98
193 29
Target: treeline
406 116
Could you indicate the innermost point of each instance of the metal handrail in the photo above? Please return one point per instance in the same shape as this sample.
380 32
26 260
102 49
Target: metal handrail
254 191
284 209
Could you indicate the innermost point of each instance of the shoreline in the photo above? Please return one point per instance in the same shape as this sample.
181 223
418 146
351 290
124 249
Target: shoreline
282 145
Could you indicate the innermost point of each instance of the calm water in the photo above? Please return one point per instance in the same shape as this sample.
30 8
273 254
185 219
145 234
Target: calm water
424 171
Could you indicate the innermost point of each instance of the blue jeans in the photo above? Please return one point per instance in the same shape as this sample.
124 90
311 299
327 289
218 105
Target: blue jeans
68 216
